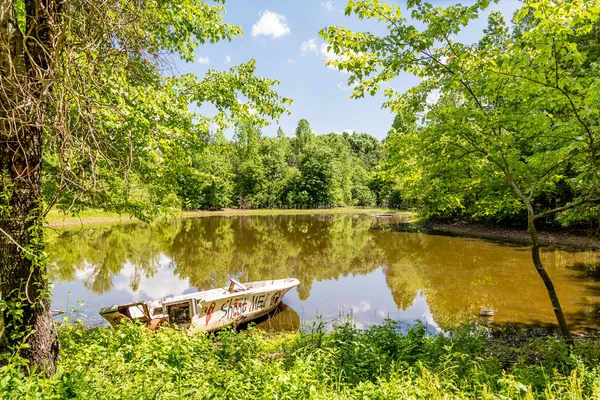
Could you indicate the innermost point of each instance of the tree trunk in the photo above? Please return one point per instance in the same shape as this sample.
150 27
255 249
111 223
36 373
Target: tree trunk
25 83
23 280
537 262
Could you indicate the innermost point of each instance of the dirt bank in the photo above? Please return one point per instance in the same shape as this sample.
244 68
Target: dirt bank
568 238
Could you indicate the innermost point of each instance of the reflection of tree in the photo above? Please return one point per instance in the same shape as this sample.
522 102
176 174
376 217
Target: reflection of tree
203 251
206 250
271 247
102 252
459 276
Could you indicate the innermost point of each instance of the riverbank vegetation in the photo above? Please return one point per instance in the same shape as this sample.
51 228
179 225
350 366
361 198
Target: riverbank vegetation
341 363
300 170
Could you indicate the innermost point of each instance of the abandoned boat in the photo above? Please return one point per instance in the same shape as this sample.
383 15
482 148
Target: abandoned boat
208 310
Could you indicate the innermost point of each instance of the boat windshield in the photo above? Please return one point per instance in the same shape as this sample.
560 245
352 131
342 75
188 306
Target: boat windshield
180 313
136 311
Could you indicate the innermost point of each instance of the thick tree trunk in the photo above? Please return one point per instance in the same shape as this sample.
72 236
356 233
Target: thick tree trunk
25 83
23 280
537 262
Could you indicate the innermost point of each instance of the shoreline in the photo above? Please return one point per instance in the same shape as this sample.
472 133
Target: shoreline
92 217
565 238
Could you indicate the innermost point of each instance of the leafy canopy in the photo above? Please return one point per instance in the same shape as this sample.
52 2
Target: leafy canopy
122 121
498 121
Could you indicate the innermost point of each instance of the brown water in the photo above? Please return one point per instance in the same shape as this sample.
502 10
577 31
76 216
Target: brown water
348 265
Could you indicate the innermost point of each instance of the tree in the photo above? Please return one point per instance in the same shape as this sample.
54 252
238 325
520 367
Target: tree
365 147
85 107
317 179
249 169
207 182
275 153
513 110
304 136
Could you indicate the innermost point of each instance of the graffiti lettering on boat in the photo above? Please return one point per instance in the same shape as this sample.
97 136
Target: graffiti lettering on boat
275 299
238 307
209 312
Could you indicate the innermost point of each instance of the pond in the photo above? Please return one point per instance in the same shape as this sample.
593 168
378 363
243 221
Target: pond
349 266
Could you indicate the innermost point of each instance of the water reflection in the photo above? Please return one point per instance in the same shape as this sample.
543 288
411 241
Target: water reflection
344 265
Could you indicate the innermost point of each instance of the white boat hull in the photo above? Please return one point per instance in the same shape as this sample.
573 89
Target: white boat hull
208 310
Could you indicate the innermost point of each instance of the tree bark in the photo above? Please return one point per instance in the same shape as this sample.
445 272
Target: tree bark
26 66
537 262
23 280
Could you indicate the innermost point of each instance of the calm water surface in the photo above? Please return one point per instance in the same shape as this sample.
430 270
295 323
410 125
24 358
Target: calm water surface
348 265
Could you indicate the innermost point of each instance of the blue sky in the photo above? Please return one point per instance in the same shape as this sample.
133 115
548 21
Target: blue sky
282 35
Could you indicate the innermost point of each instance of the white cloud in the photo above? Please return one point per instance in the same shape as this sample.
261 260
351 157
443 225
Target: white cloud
309 46
203 60
291 61
329 55
328 5
227 59
271 24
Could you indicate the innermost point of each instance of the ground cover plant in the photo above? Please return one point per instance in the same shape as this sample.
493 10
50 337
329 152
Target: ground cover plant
343 363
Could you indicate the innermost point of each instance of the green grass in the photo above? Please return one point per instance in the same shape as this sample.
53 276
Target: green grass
56 218
344 363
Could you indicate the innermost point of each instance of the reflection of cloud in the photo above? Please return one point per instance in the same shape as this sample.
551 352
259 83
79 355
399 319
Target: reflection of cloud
128 270
359 325
162 284
82 274
364 306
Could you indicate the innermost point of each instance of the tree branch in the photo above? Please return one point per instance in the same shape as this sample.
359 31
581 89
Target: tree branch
595 200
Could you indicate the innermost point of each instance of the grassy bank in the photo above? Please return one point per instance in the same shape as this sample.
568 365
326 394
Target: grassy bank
55 219
345 363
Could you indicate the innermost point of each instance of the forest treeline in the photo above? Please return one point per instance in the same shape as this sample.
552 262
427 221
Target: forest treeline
302 171
252 170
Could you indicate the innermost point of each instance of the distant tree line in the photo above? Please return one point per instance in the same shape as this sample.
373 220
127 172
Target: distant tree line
301 171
